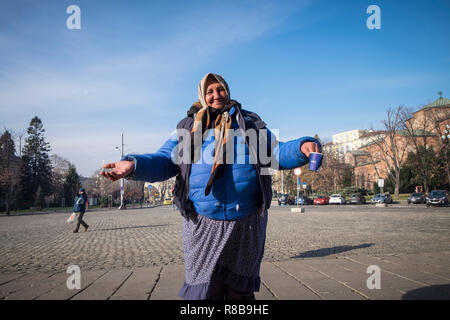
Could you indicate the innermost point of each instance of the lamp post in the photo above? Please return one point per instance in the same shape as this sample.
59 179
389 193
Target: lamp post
121 207
298 172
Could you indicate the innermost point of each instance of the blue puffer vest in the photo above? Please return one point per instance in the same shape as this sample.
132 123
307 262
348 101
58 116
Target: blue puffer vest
236 193
227 200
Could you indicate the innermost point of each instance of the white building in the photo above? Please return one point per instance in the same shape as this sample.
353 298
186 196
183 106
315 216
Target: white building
347 141
352 140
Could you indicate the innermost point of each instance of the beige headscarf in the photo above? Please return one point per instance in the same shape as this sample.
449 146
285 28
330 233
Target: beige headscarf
202 88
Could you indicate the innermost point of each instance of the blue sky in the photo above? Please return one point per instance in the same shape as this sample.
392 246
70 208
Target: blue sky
306 67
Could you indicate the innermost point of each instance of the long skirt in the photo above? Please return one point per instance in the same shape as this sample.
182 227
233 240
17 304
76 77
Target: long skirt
227 251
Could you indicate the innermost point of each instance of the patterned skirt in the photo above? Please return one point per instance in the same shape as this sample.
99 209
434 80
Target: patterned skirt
230 251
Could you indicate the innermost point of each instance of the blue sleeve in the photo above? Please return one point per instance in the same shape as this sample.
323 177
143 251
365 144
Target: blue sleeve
288 153
158 166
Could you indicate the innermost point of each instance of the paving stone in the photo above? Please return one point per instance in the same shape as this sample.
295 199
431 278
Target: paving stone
169 284
264 293
342 295
300 270
139 285
105 286
284 286
61 292
38 288
5 278
23 282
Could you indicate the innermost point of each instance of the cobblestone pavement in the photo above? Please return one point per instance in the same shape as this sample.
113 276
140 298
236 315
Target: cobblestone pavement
322 254
150 237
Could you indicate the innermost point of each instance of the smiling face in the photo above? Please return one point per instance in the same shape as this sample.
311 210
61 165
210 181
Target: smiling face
216 96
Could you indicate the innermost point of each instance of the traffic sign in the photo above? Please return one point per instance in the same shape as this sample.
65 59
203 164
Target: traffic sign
297 171
304 185
381 183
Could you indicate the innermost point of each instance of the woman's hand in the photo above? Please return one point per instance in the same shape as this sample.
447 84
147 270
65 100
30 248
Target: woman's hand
308 147
121 169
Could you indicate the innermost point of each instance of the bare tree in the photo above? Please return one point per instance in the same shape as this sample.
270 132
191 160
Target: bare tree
330 177
134 190
393 147
60 168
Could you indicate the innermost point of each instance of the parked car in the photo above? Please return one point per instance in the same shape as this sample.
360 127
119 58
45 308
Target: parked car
286 199
356 198
303 200
167 201
322 200
381 198
437 198
337 199
416 197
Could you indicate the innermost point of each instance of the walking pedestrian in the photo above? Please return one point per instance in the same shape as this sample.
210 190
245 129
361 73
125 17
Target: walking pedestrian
222 189
80 207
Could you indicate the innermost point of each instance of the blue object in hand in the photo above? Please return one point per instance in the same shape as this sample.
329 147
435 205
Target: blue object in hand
315 161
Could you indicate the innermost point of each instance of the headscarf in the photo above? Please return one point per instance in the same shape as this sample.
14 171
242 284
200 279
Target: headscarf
206 118
202 87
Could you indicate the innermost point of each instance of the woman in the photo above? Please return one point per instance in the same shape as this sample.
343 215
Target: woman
224 203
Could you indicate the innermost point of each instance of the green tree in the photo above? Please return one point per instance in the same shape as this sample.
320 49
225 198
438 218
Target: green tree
36 170
9 167
347 176
406 183
39 199
71 185
441 179
427 168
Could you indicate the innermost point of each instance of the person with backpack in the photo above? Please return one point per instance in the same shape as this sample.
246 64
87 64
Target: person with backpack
223 189
80 207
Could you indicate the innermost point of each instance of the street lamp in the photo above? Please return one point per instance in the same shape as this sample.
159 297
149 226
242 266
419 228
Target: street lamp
446 135
121 207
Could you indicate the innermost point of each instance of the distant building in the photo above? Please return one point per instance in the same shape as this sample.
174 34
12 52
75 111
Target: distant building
347 141
350 141
426 126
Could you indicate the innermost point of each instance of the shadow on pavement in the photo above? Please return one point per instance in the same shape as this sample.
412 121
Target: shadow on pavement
133 227
332 250
434 292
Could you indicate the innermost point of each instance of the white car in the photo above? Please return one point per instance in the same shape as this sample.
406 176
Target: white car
337 199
